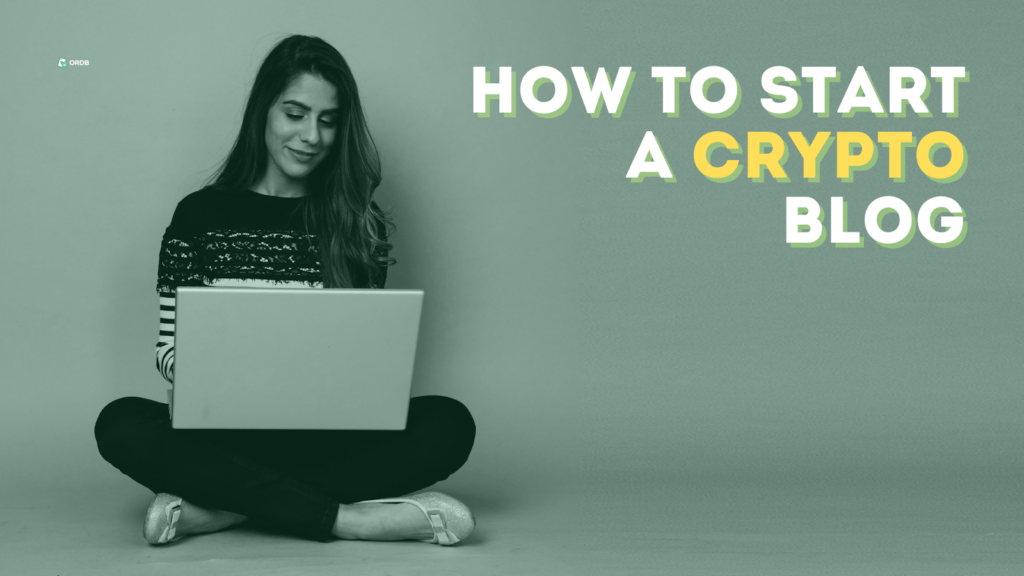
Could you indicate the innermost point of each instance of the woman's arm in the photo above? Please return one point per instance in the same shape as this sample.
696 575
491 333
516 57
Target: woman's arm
165 341
180 265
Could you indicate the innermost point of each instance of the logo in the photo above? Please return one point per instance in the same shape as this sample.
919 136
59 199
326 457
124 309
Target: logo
62 63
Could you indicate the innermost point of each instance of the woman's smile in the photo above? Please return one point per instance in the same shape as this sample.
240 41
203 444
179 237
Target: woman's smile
301 156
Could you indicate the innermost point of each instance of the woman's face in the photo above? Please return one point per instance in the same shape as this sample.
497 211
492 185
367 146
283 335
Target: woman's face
303 119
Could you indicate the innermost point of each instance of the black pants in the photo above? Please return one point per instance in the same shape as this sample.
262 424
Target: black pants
289 481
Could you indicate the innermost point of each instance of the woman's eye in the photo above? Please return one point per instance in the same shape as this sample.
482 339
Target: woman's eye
327 123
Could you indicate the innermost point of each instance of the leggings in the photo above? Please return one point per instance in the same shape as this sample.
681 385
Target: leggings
288 481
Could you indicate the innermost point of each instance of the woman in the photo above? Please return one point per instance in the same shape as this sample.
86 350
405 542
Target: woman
303 156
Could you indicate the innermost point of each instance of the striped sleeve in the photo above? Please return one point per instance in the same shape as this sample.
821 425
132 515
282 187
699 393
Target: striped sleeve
180 265
165 341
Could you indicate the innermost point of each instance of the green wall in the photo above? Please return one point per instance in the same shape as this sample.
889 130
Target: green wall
596 327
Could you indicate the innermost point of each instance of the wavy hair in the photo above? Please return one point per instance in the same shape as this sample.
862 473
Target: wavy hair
338 206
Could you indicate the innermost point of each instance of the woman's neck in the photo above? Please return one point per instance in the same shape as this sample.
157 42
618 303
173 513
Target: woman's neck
280 190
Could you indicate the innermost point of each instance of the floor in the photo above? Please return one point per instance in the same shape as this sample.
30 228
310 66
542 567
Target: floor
647 527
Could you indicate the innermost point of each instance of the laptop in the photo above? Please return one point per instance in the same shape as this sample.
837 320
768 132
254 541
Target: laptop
293 358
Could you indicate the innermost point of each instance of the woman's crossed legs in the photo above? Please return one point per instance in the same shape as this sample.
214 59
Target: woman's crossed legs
293 481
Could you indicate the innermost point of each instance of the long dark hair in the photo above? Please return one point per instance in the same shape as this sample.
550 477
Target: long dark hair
338 203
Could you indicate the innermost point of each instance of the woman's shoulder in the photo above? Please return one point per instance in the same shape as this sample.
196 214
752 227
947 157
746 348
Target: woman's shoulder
191 210
205 195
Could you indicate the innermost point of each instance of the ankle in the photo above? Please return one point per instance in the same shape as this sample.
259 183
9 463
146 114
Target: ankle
350 523
198 520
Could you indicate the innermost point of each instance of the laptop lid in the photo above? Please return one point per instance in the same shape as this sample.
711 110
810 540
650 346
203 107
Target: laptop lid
293 358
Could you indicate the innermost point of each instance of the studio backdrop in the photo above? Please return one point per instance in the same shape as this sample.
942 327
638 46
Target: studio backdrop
598 327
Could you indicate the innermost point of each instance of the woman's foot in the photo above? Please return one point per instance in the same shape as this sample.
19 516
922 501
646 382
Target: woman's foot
380 521
427 516
170 518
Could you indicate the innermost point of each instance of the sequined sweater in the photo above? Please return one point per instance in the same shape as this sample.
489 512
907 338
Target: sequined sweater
238 238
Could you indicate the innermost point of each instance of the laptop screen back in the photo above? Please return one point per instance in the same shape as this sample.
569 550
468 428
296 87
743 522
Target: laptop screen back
290 358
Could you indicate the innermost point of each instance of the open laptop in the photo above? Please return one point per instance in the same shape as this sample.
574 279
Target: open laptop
293 358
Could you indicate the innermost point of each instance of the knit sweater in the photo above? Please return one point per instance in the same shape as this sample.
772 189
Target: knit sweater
240 238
